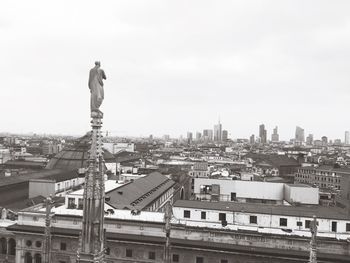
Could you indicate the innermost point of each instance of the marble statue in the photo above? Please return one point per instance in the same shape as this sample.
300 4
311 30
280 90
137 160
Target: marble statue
96 77
3 213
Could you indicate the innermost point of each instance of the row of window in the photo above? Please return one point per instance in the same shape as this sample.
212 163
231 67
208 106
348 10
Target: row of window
38 244
72 204
7 246
307 171
201 260
156 205
151 254
320 184
254 220
187 214
175 257
65 185
329 179
28 258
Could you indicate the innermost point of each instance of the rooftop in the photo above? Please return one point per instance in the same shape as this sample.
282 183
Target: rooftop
56 174
117 214
273 159
109 186
326 168
298 185
301 211
24 164
139 193
59 175
76 156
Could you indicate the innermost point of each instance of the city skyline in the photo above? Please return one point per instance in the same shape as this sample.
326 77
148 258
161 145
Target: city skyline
170 71
174 131
205 136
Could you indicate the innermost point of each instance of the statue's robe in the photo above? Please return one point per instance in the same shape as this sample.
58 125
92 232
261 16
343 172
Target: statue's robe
96 88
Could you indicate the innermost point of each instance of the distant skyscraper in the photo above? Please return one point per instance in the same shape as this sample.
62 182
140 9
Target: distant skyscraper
310 139
337 142
252 139
274 135
261 129
324 140
262 133
189 136
347 138
224 135
208 135
198 136
299 134
218 132
166 137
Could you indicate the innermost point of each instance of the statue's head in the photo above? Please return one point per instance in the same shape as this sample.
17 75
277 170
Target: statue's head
98 63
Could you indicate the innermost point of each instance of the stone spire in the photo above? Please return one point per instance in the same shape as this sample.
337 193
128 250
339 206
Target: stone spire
313 245
167 219
92 237
49 203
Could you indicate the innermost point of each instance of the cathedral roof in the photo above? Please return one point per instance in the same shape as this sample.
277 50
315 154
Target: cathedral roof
76 156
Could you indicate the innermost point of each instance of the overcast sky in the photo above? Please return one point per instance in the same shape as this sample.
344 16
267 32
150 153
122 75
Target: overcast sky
176 66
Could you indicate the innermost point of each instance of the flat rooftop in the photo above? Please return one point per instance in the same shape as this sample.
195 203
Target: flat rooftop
56 174
109 186
253 208
299 185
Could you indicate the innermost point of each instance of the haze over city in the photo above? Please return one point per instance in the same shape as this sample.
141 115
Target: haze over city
174 67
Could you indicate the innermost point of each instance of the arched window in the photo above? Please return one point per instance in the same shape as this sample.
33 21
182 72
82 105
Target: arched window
28 258
12 247
37 258
3 245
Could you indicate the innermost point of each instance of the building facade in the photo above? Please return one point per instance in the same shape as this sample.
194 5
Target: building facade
224 135
274 135
336 179
207 135
253 191
255 216
218 132
228 234
262 134
310 139
299 135
347 138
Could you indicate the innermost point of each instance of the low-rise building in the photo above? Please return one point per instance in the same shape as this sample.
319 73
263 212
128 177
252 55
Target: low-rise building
55 183
200 232
337 179
148 193
199 169
125 178
119 147
275 165
253 191
331 220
